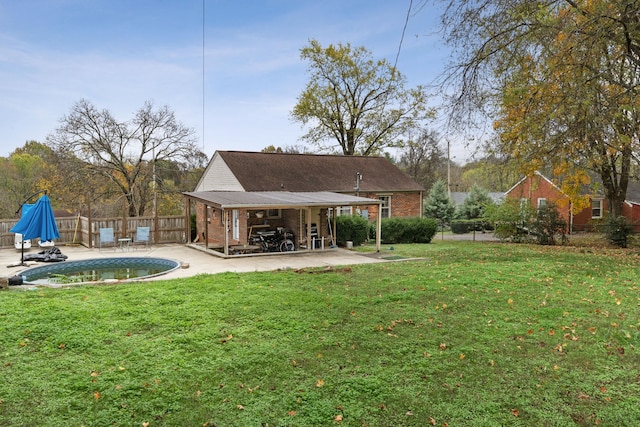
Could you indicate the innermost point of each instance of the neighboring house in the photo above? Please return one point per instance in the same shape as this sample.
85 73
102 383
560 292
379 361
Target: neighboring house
539 191
458 197
246 192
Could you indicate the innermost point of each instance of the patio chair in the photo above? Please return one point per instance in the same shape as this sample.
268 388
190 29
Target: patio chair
142 237
106 237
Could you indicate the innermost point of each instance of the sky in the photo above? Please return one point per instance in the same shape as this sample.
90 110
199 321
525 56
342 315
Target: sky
231 70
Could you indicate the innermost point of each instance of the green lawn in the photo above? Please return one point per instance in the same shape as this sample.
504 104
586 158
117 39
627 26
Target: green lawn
473 334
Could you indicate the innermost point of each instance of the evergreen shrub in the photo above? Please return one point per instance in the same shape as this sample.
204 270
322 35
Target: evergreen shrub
618 229
408 230
351 228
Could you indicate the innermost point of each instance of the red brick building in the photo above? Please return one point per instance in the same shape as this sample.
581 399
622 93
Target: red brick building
296 192
538 190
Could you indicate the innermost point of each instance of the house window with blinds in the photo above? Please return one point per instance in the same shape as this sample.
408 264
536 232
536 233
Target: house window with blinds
596 208
385 208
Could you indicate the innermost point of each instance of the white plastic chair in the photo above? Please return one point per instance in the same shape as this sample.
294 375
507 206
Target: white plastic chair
106 237
142 237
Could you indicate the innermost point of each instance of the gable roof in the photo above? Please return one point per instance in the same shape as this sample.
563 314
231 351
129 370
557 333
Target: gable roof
537 173
252 171
458 197
633 188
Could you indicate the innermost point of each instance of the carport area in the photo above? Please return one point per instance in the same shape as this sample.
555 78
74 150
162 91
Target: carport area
238 223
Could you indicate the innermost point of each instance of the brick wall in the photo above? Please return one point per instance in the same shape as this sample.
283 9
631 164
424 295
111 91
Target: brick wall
536 187
402 205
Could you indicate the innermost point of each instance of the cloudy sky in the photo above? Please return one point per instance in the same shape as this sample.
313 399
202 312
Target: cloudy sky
235 86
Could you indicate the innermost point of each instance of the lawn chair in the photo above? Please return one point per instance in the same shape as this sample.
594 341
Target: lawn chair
142 237
106 237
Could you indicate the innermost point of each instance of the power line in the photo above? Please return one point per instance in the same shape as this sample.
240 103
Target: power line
406 22
203 73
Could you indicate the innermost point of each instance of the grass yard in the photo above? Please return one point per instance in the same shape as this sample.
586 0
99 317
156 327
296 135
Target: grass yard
474 334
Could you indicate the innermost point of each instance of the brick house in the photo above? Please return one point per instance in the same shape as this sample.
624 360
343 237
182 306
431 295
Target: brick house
539 190
297 192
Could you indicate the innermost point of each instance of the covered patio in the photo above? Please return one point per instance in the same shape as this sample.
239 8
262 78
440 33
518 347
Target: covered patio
226 221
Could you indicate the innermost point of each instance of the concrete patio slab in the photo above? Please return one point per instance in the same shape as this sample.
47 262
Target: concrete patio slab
199 262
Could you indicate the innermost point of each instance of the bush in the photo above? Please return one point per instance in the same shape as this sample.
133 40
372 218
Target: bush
511 220
618 230
463 226
351 228
408 230
547 223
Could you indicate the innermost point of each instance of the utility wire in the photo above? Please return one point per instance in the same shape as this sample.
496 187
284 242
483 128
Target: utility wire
404 29
203 73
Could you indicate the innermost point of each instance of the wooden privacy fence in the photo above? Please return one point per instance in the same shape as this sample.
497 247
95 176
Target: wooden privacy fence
84 231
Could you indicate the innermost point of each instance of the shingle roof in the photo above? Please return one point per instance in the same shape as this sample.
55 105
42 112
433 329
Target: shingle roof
315 172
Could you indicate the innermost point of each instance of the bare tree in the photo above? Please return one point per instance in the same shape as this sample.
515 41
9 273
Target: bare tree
424 158
125 153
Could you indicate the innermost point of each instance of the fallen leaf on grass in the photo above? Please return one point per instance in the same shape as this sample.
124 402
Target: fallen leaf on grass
320 383
432 421
338 418
515 412
291 413
240 407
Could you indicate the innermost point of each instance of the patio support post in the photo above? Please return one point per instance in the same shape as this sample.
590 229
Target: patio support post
225 215
307 221
334 239
379 228
187 221
206 226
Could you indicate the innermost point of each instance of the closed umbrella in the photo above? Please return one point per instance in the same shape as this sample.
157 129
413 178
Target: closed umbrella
38 222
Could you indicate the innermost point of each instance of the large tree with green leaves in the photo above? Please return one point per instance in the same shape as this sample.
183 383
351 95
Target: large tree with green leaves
561 79
354 102
126 154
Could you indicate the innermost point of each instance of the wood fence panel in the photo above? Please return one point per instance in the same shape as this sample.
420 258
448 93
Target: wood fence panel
75 230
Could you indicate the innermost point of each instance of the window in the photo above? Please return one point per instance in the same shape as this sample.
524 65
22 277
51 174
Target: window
235 219
596 208
542 203
340 211
385 208
273 213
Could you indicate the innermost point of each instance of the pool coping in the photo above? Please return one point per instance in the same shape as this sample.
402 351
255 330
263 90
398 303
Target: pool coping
96 263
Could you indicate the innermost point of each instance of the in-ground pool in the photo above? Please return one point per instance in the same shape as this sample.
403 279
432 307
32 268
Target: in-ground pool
98 270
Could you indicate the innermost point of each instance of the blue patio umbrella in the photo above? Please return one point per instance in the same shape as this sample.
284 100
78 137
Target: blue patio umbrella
38 222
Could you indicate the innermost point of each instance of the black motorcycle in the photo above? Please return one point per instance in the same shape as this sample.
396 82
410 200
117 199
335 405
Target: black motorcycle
280 240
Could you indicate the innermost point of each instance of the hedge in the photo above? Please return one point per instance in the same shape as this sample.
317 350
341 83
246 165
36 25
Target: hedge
351 228
406 230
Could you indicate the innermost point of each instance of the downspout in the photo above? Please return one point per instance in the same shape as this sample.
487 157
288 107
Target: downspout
570 217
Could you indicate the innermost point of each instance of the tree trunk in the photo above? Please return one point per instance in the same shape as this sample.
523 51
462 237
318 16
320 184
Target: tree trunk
615 182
